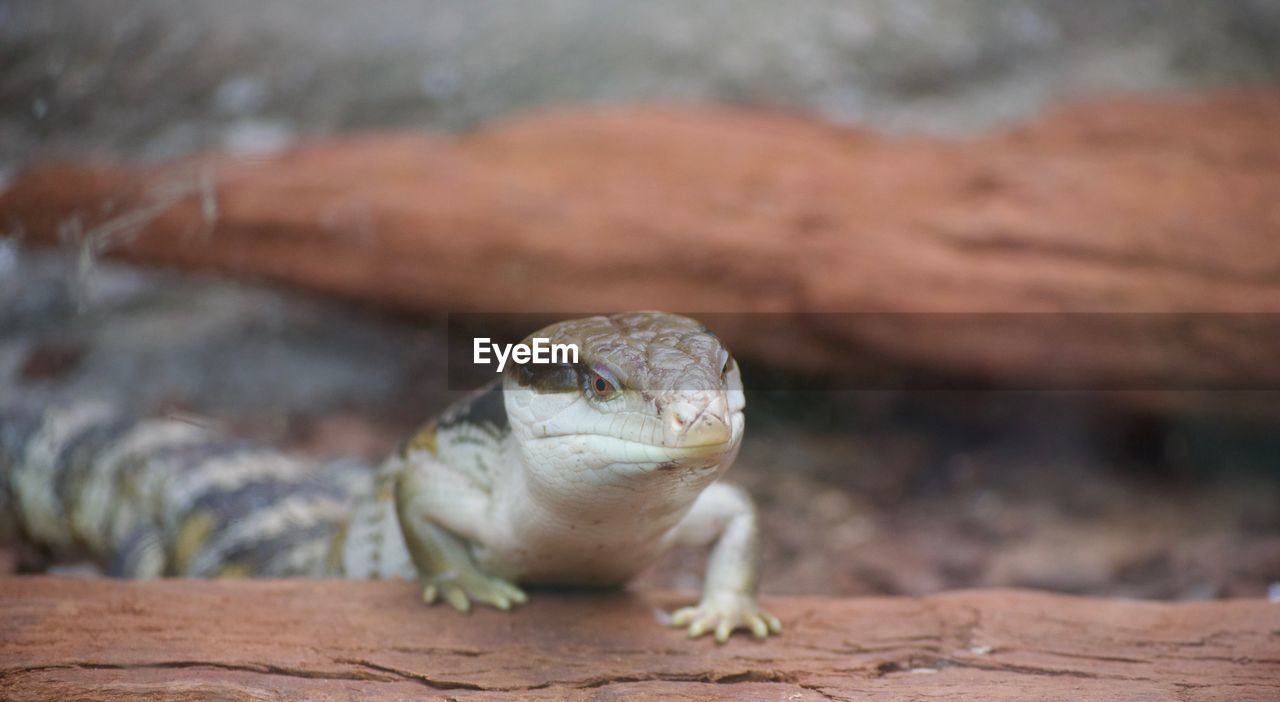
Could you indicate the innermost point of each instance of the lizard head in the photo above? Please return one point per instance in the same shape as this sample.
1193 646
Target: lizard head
651 393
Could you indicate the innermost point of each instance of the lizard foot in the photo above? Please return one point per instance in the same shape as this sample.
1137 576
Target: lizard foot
725 613
461 588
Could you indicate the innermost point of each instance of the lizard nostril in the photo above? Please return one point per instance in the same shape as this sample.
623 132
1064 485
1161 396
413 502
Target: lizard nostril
688 424
683 416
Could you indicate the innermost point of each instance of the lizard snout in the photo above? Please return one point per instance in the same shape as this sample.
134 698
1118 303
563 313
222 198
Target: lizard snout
688 423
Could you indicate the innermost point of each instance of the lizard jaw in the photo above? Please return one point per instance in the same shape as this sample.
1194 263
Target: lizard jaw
619 450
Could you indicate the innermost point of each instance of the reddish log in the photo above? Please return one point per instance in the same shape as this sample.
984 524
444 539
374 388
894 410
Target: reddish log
1128 205
181 640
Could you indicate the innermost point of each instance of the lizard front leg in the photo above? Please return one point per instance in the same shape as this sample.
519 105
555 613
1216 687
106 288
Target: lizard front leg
443 560
723 514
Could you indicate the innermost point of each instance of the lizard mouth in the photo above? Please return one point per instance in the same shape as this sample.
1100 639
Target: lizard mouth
621 449
643 451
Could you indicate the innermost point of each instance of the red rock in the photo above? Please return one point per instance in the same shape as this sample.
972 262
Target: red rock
1128 205
64 638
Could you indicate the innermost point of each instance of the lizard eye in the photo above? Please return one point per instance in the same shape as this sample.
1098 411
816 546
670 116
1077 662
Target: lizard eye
601 384
726 363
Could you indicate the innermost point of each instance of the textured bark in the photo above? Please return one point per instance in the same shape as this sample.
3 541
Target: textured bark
104 640
1121 206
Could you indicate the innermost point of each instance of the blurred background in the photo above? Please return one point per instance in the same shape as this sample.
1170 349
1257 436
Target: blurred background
863 491
155 79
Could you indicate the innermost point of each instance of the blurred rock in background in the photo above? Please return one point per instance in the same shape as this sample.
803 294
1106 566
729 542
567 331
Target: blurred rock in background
156 79
151 342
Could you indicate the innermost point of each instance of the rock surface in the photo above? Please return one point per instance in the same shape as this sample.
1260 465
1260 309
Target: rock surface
146 78
1127 206
181 640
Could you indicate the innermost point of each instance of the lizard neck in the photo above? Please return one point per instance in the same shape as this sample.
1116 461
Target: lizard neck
620 494
595 525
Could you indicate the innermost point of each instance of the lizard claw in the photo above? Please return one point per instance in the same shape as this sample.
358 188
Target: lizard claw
725 613
460 589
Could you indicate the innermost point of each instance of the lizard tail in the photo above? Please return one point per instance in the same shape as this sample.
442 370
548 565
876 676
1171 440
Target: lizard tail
166 497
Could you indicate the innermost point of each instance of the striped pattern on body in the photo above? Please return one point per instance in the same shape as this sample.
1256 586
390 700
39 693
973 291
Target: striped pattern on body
164 497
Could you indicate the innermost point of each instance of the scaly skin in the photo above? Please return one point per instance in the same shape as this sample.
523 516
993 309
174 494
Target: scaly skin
574 486
570 475
164 497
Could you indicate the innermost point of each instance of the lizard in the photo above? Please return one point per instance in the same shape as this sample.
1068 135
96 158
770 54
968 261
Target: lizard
575 474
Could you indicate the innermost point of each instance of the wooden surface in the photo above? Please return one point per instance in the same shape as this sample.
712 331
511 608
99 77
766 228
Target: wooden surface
105 640
1131 205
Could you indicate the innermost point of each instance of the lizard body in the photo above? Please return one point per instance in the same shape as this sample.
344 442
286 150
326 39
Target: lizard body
567 474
